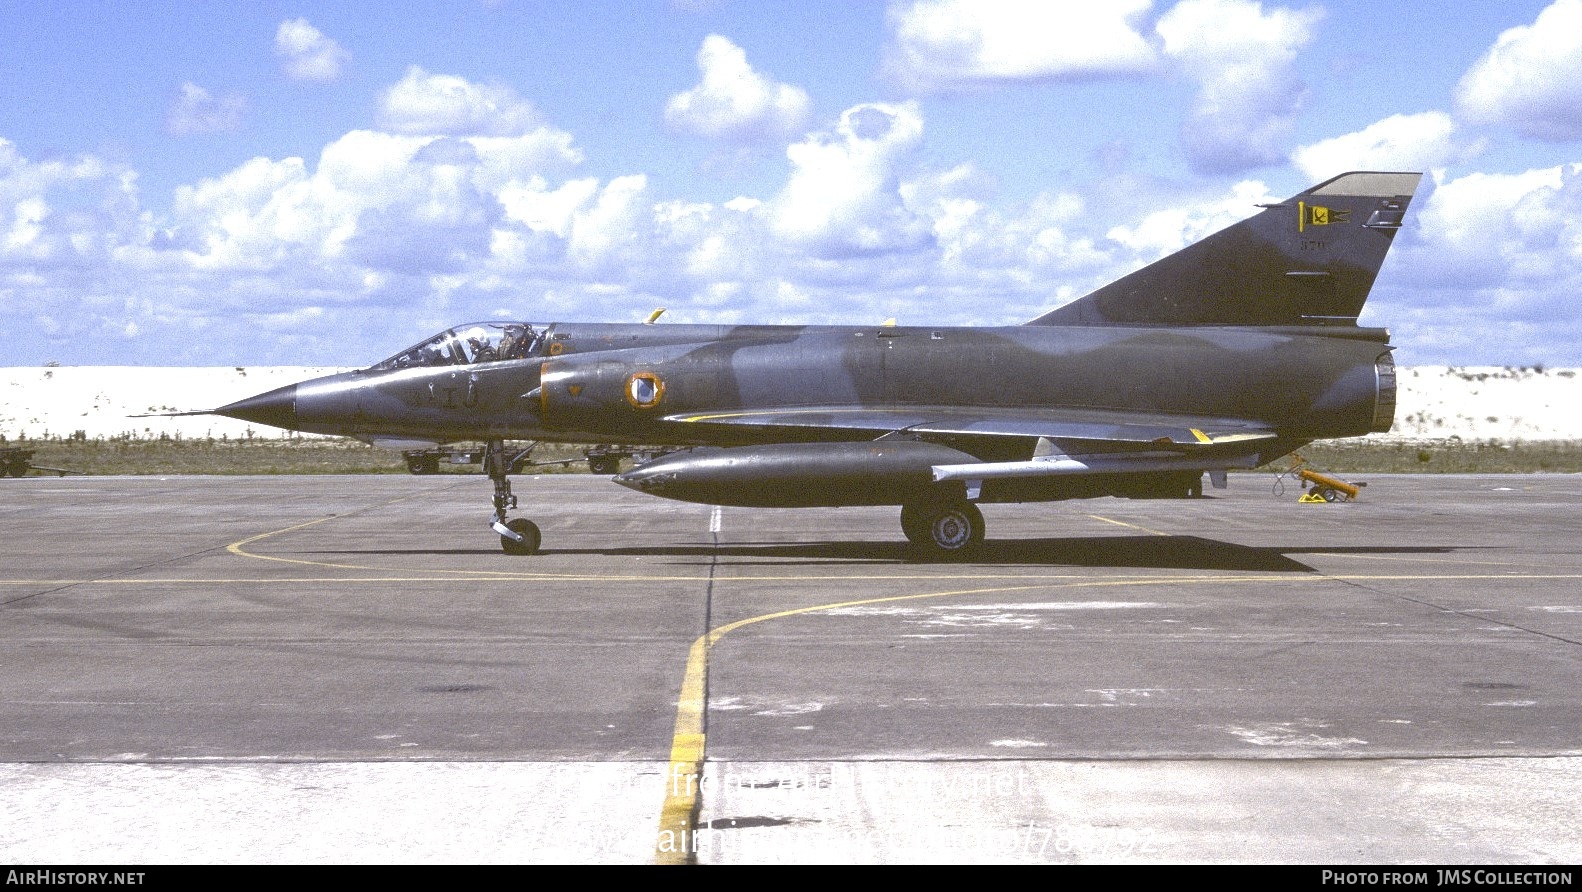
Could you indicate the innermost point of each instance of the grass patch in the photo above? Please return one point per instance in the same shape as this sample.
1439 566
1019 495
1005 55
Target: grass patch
1452 456
312 455
293 455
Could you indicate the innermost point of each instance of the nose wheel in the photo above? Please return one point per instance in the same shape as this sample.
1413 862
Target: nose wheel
519 536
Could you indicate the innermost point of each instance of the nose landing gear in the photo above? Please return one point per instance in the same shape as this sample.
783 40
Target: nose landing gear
519 536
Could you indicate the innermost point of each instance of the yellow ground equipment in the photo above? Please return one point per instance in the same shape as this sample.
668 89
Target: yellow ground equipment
1322 487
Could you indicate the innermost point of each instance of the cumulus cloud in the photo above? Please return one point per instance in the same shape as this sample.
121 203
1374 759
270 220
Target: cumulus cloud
1489 269
348 256
542 209
434 230
735 103
248 219
393 202
1242 56
414 225
1244 60
1168 230
306 54
1493 229
604 232
1400 142
940 45
843 195
197 111
61 213
441 104
1531 79
1001 264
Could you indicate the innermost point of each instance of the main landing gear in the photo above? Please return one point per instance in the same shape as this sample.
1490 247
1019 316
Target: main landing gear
519 536
944 529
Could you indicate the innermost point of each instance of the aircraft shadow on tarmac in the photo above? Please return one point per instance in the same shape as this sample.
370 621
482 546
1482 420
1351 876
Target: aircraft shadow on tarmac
1139 552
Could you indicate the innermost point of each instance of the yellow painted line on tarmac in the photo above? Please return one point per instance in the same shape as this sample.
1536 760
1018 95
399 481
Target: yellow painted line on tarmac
676 843
239 548
677 839
1343 554
317 580
647 580
1130 526
491 576
1045 581
1417 559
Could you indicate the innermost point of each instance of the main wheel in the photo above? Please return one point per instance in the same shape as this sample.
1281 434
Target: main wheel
529 533
948 530
605 464
914 523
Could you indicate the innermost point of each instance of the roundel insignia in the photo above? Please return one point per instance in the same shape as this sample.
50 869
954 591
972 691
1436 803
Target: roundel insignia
556 348
644 390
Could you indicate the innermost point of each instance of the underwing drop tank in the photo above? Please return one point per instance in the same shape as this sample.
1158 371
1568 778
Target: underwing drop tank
797 475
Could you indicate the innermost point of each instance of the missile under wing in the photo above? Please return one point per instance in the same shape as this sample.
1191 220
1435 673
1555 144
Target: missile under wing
1227 354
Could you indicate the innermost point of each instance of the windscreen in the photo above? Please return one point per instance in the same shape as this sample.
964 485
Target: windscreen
468 344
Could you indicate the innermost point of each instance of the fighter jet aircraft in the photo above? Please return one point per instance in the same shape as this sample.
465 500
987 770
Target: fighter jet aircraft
1225 355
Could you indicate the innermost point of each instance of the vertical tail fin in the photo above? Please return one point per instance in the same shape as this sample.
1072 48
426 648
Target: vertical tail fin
1310 260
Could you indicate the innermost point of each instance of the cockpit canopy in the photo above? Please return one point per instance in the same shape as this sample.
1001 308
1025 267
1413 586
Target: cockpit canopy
472 343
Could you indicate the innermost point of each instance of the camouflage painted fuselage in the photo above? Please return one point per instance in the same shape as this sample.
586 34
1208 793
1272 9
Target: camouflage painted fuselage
1306 383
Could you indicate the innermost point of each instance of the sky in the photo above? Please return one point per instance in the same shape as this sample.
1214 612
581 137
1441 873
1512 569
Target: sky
199 183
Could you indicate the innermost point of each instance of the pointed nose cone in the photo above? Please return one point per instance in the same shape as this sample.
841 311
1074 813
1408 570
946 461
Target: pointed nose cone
277 408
